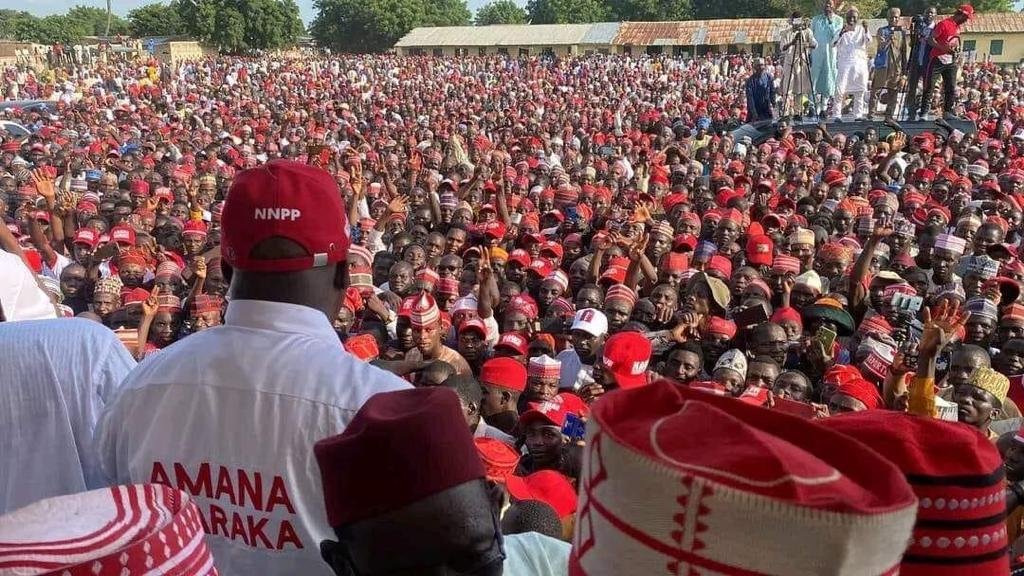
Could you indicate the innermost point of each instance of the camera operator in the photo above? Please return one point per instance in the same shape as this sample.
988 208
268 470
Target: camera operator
890 65
942 60
921 28
796 75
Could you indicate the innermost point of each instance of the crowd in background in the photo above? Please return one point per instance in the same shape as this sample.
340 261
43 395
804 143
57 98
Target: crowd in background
622 297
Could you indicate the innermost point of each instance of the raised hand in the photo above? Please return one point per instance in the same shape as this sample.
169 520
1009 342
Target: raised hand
941 324
152 303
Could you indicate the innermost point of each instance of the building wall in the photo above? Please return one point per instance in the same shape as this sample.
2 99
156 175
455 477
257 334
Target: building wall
180 51
1012 50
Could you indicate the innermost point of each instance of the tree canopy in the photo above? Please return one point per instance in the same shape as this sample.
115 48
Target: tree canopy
241 25
375 25
155 20
568 11
94 20
500 12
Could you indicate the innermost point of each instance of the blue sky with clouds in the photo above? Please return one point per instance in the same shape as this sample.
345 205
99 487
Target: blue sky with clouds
122 7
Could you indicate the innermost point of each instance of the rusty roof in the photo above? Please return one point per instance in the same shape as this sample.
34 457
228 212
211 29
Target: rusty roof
990 23
712 32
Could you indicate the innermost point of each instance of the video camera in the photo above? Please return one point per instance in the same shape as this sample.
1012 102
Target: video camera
802 24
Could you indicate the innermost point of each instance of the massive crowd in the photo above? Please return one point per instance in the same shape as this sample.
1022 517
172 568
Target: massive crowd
409 315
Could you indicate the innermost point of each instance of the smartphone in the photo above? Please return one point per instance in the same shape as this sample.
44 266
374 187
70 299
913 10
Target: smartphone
751 316
905 302
574 428
827 337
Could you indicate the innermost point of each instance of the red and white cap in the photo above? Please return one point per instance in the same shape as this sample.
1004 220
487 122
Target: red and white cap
87 236
957 474
776 494
424 312
123 235
626 355
287 199
118 531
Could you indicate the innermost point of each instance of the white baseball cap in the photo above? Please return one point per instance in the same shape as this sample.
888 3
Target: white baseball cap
591 321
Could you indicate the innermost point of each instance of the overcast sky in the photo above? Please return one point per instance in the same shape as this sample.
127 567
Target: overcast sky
122 7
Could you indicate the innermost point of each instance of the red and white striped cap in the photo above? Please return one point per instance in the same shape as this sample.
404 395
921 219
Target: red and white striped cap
425 312
776 495
118 531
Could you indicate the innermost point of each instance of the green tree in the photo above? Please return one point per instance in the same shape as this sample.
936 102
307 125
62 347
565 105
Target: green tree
500 12
714 9
651 10
155 20
446 13
241 25
375 25
94 20
567 11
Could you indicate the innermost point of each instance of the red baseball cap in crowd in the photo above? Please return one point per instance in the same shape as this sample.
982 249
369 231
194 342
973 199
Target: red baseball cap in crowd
124 235
626 355
87 236
290 200
504 373
966 10
547 486
513 342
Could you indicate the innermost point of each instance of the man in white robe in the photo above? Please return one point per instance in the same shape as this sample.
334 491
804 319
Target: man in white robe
852 62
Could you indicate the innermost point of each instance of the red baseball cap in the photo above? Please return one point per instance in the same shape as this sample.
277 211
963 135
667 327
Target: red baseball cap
547 486
122 234
513 342
966 10
286 199
626 355
87 236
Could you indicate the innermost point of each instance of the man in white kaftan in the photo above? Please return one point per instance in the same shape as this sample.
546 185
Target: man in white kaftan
852 63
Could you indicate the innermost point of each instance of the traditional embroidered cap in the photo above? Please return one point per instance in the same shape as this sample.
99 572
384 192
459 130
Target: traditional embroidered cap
784 264
992 382
981 307
499 459
560 279
504 373
118 531
620 292
734 360
591 321
414 467
984 266
626 355
544 366
424 312
801 236
654 501
954 244
194 228
811 280
287 199
957 475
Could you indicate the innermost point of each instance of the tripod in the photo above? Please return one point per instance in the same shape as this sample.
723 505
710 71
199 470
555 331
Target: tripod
799 70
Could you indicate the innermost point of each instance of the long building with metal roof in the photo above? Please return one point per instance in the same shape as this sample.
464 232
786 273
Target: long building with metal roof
995 37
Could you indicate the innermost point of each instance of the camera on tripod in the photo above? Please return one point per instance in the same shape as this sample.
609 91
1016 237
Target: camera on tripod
800 25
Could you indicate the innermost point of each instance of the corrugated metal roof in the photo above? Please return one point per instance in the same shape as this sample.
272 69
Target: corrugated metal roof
688 33
601 33
500 35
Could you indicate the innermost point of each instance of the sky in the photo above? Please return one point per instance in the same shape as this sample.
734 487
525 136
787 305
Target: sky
122 7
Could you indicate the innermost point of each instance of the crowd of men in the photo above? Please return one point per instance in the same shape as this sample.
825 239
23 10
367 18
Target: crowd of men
406 315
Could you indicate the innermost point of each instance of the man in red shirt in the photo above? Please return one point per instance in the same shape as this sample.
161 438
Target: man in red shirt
945 49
